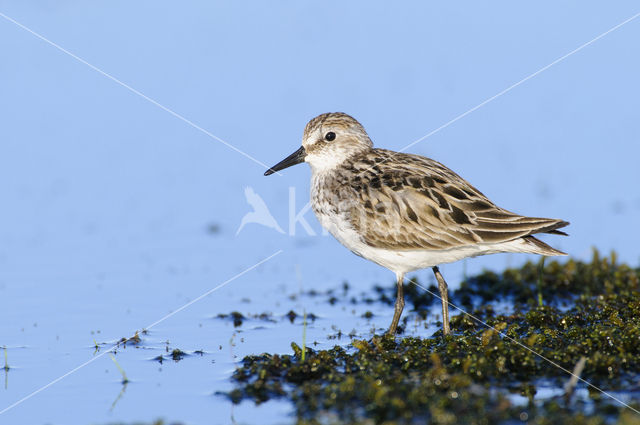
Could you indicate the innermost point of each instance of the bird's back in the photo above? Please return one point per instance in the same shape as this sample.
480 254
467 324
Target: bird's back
404 202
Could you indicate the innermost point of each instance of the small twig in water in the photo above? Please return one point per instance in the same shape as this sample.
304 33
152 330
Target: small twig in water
304 335
539 282
575 375
6 369
304 317
125 380
6 361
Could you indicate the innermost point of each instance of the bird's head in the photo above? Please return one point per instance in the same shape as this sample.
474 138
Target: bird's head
328 140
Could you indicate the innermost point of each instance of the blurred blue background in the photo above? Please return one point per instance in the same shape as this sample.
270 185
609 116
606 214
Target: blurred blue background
115 212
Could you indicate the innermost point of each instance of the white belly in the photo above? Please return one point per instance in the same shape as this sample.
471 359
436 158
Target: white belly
405 261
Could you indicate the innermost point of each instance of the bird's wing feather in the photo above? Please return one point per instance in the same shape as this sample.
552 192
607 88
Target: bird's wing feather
413 202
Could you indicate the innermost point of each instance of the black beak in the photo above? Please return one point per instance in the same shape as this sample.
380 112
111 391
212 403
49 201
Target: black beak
295 158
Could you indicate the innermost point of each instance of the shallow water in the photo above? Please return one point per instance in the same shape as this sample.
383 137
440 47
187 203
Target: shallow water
184 390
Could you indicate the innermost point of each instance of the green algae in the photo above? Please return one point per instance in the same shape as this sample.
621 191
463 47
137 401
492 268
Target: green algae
558 283
493 366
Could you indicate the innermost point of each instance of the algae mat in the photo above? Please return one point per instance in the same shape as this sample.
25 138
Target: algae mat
506 362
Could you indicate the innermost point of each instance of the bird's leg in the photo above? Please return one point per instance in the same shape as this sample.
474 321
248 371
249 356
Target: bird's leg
444 296
397 311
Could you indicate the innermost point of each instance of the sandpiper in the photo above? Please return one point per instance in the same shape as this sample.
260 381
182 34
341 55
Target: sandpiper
402 211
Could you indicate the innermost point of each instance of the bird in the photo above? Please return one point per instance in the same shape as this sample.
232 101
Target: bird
404 211
260 213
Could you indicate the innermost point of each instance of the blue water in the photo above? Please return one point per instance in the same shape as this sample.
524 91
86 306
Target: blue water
115 212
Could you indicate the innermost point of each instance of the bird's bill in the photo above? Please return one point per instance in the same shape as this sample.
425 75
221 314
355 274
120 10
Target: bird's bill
295 158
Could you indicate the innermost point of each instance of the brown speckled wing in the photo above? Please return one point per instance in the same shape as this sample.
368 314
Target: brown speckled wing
411 202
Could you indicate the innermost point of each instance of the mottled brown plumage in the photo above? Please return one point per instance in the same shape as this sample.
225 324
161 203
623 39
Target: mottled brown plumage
408 202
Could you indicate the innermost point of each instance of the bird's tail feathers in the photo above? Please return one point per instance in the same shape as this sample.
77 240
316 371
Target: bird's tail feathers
536 246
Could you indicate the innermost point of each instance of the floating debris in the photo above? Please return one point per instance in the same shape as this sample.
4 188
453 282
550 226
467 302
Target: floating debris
177 355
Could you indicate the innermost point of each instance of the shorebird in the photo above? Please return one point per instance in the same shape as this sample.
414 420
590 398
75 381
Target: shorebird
403 211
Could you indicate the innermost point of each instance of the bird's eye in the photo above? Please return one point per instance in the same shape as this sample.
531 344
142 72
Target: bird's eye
330 136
